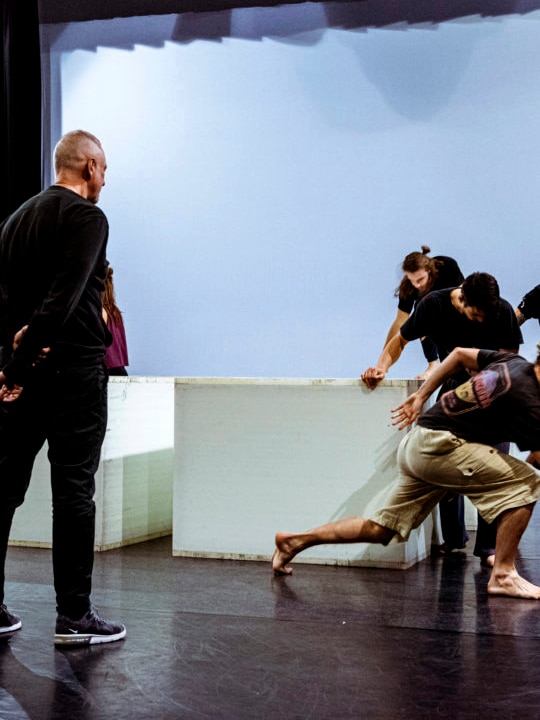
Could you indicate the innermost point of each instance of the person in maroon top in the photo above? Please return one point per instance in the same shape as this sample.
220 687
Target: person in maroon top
116 357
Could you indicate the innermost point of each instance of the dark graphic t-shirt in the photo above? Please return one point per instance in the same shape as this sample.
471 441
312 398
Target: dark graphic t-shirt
479 392
500 403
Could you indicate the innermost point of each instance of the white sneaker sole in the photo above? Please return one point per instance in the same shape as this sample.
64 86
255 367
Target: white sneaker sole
12 628
87 638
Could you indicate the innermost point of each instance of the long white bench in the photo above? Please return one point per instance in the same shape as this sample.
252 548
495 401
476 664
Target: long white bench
254 456
245 458
134 478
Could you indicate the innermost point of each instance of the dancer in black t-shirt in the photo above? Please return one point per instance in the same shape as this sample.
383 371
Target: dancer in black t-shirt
470 315
421 275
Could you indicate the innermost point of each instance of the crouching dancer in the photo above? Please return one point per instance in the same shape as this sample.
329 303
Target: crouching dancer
451 448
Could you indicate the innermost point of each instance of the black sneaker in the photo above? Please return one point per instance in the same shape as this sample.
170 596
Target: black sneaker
89 630
8 622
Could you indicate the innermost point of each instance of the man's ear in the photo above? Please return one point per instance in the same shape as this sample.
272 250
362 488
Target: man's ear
89 168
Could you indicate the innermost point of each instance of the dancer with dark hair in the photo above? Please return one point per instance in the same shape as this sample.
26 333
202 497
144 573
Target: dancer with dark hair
499 401
470 315
421 275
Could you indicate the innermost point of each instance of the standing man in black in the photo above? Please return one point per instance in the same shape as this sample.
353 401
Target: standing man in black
52 271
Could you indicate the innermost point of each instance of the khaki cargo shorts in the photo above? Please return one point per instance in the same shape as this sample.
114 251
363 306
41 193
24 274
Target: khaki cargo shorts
432 462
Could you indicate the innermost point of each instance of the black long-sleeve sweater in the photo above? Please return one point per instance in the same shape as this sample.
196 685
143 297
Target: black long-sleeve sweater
52 271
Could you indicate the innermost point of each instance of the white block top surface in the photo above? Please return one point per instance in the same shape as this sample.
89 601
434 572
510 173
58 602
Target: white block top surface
338 382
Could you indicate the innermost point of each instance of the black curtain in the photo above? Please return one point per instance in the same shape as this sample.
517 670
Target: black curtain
21 123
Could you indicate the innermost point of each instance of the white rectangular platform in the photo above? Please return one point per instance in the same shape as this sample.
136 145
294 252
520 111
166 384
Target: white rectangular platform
255 456
134 479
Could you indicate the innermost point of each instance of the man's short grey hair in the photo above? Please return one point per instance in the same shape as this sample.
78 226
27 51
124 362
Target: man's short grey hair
74 148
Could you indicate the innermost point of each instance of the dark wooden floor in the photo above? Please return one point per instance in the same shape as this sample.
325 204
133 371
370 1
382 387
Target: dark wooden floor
225 640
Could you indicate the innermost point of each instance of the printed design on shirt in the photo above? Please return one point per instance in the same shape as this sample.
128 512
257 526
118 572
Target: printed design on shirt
479 392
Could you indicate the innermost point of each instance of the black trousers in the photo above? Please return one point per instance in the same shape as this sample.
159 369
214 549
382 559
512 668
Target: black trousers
67 408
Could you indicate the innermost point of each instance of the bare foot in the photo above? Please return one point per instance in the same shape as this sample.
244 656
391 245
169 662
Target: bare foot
283 554
488 561
513 585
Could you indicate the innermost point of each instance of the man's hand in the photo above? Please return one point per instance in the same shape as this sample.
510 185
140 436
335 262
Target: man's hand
390 354
19 336
520 316
534 459
372 377
17 341
432 365
408 411
8 394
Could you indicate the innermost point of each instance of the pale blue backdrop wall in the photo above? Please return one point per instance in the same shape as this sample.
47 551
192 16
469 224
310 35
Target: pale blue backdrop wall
264 183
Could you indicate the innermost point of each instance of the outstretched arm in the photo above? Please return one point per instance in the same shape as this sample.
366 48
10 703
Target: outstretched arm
391 354
395 327
459 359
